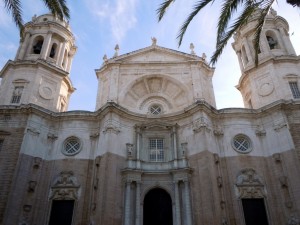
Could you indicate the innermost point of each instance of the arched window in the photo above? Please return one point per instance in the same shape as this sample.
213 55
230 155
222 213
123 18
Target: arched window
272 40
37 45
53 50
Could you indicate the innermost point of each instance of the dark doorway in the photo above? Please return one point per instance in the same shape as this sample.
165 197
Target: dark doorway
61 212
255 211
158 208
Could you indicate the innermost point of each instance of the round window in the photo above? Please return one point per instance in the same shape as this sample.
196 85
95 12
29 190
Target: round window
155 110
241 143
72 146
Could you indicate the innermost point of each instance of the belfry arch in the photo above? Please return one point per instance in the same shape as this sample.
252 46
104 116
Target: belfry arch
157 208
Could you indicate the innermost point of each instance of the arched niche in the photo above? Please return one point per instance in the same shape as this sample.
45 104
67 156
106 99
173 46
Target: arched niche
163 90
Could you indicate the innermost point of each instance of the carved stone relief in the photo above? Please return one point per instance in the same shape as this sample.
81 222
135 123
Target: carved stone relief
65 186
249 184
201 124
111 126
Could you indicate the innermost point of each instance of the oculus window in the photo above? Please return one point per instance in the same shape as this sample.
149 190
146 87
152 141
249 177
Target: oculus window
242 144
72 146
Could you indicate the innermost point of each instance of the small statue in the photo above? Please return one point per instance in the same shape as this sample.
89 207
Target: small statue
192 47
116 50
154 40
104 59
204 56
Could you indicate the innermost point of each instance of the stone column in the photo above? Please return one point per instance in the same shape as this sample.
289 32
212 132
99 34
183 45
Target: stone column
138 135
138 204
187 203
286 41
46 45
127 203
177 204
175 146
62 53
248 51
24 46
240 60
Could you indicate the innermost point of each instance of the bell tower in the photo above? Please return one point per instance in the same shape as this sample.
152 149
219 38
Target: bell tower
277 74
40 72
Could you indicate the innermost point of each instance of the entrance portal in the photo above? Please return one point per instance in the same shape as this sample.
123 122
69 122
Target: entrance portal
158 208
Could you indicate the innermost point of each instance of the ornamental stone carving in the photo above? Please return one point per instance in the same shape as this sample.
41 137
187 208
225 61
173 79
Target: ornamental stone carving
65 187
111 126
293 220
129 148
249 184
201 124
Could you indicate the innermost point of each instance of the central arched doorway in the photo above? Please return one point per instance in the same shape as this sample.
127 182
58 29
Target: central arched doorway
157 208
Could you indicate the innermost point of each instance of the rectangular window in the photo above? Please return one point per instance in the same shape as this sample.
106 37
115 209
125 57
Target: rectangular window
156 147
294 89
61 212
254 211
16 97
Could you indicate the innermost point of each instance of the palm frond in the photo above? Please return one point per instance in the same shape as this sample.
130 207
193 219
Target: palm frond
163 8
229 7
249 9
196 9
58 8
14 8
265 7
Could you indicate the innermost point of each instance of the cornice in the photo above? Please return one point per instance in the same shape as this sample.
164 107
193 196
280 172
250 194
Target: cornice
35 63
112 107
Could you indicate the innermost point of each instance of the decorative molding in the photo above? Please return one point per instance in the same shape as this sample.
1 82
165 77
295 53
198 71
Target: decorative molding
52 137
33 131
249 184
283 181
94 135
184 150
111 126
293 220
129 149
218 131
260 131
220 181
216 158
280 125
65 187
31 186
201 125
277 157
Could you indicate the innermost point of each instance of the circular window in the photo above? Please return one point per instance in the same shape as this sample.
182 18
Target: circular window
72 146
155 110
241 144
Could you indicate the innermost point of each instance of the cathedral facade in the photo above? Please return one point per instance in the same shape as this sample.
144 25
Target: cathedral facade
156 150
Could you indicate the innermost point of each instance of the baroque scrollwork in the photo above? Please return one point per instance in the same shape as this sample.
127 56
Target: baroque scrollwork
65 186
201 124
249 184
111 126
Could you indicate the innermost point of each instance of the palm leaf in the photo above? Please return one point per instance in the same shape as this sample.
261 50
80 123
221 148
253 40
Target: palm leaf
197 7
249 9
265 7
228 9
14 8
58 8
162 9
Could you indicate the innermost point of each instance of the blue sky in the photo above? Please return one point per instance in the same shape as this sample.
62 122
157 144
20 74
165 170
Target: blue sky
98 25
